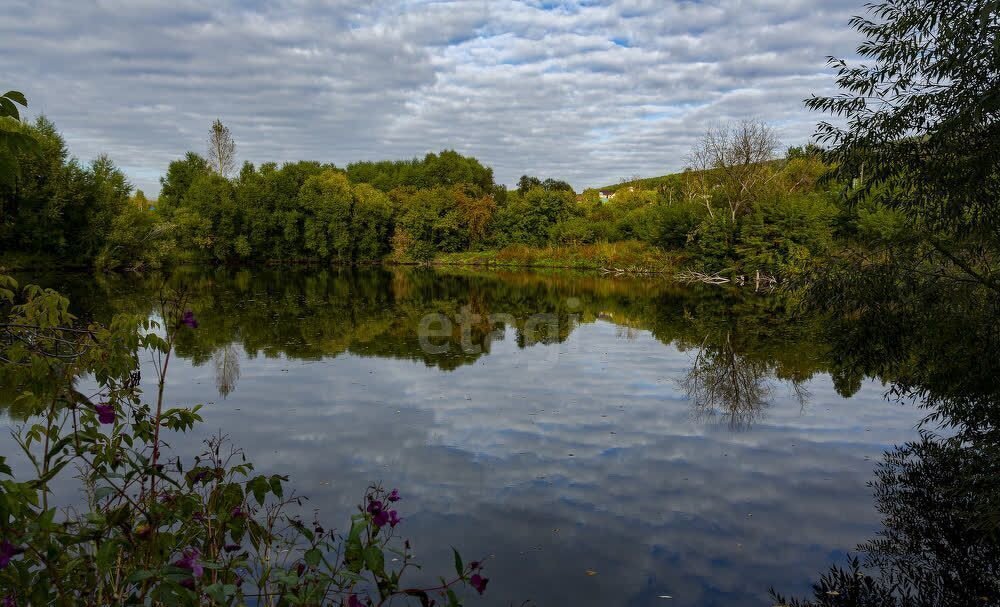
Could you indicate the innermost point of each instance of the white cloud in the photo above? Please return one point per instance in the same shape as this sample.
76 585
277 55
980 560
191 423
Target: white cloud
584 91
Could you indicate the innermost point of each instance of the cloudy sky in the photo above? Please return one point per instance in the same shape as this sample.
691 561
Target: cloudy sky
589 91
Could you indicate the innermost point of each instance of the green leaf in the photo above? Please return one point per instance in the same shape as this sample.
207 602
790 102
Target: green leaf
16 96
140 576
354 552
312 557
375 560
276 486
459 567
7 108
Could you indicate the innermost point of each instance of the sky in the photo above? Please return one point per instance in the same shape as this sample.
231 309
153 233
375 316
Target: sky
590 92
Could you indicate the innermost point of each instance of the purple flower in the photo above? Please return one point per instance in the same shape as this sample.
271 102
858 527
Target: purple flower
7 552
394 496
380 517
189 561
394 518
9 601
479 582
475 565
190 320
352 601
105 413
237 512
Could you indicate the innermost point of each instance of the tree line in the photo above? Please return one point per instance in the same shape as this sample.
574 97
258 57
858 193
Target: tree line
737 209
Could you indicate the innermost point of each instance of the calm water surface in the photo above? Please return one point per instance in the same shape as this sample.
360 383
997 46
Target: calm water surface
610 442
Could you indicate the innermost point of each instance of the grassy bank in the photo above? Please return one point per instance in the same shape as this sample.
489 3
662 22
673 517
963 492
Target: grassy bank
19 261
627 255
631 256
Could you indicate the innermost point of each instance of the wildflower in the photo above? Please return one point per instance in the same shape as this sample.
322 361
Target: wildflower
189 561
7 552
394 518
353 601
380 517
8 601
394 496
190 320
475 565
105 413
478 582
237 512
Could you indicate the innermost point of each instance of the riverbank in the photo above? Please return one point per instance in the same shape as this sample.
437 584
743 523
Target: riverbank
626 256
630 256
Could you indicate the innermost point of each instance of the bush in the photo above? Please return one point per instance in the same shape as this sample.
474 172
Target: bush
877 223
784 235
574 230
714 241
137 239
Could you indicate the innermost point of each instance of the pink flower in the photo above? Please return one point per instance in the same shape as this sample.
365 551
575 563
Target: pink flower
190 320
7 552
478 582
105 413
352 601
189 561
394 496
394 518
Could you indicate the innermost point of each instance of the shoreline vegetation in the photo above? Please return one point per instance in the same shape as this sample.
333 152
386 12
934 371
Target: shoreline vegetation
737 210
618 257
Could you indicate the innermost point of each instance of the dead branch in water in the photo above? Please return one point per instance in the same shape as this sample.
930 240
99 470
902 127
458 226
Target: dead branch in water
629 270
689 276
759 281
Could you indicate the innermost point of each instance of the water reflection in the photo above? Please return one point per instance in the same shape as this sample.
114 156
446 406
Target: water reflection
936 343
567 424
722 380
227 369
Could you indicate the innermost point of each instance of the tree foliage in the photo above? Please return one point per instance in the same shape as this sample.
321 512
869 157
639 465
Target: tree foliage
920 128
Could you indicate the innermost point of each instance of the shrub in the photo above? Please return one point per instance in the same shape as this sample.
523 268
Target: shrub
783 235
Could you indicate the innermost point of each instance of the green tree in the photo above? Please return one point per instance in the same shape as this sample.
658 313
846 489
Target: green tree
180 175
327 203
920 127
371 225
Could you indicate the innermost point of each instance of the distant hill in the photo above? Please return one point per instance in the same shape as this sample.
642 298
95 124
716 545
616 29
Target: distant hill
647 183
672 180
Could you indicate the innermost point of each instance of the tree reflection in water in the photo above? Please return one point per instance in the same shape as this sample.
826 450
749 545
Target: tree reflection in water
936 343
227 369
724 383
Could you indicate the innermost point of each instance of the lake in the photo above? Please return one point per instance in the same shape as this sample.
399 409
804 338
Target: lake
602 440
